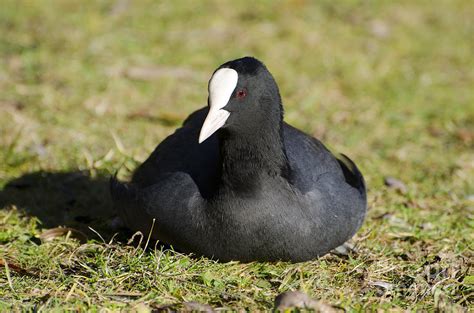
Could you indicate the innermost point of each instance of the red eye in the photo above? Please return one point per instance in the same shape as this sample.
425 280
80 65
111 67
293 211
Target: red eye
242 93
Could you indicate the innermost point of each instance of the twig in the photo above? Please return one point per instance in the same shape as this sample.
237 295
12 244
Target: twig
97 233
148 239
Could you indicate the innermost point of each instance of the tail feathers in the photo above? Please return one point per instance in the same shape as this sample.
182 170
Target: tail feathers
352 174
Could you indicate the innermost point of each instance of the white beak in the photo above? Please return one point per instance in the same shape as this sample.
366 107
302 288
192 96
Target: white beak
221 87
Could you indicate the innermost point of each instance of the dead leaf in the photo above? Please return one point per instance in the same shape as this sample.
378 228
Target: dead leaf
382 287
395 184
345 249
382 284
197 307
298 299
17 268
53 233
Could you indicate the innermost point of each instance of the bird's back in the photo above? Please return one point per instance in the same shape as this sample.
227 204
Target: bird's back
333 186
181 152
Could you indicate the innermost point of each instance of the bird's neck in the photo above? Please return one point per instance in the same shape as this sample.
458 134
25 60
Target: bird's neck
249 158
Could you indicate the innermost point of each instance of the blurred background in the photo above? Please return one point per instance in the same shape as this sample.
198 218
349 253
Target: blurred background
90 87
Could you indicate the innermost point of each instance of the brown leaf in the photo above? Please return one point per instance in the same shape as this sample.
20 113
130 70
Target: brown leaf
51 234
17 268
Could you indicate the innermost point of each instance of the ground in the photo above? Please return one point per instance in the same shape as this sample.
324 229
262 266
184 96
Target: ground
90 88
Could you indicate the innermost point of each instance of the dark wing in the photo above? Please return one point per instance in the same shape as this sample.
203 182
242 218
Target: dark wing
334 187
352 174
181 152
310 161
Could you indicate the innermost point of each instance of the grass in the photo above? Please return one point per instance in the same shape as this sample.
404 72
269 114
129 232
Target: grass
86 89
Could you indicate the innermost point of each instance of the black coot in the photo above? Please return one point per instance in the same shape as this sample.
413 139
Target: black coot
235 182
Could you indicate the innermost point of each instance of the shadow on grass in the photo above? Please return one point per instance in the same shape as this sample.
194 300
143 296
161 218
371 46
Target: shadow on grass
71 199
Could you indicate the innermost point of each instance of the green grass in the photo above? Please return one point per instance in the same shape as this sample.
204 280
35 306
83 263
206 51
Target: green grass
88 88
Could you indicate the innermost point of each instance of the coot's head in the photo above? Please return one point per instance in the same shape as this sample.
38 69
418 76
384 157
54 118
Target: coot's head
243 100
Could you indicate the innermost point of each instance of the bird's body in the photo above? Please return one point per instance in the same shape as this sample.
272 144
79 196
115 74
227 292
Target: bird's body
255 189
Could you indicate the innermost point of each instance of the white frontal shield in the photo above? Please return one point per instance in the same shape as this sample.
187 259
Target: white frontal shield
221 87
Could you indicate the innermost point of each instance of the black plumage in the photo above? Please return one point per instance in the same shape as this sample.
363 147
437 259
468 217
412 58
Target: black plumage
255 189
